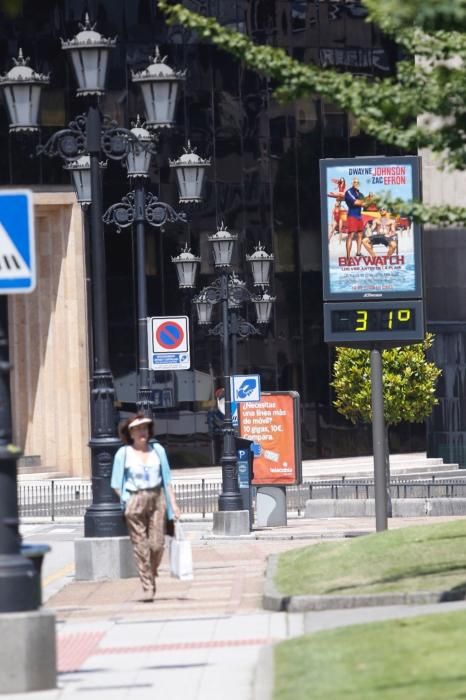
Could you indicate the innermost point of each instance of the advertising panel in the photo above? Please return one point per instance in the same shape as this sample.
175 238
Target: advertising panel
273 424
368 251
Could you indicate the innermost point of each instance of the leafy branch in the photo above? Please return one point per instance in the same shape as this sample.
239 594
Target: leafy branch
386 108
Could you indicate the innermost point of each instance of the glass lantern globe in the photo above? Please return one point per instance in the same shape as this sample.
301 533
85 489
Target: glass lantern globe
204 308
139 153
80 170
22 87
186 265
261 264
159 87
263 306
222 246
190 173
89 52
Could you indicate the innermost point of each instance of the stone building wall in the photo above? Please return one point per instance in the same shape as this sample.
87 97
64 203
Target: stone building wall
48 341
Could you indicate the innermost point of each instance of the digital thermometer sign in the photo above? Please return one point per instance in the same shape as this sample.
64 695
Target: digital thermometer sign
356 323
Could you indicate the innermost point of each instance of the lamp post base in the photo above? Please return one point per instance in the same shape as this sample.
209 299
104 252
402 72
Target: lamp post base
18 583
231 523
230 501
104 518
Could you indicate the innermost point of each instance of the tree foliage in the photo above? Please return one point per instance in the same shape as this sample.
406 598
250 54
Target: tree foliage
409 381
422 106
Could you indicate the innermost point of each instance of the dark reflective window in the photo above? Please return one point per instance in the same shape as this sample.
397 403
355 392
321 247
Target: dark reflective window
263 184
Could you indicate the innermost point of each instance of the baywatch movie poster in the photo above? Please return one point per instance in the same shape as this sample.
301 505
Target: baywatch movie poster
369 252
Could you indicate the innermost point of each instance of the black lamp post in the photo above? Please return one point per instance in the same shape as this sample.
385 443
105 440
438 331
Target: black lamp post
88 139
230 292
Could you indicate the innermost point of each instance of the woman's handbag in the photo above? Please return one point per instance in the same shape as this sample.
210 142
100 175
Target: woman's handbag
181 557
170 528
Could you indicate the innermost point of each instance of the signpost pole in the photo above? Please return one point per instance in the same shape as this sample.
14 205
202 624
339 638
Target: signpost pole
144 398
378 440
17 576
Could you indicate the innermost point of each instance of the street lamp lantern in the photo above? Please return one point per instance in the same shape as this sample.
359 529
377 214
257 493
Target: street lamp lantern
22 87
222 246
89 52
263 305
159 87
261 264
187 266
204 308
139 151
190 171
80 170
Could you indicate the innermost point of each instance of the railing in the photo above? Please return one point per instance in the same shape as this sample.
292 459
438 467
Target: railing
57 498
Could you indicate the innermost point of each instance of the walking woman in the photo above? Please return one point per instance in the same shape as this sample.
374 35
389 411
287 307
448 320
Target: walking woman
141 477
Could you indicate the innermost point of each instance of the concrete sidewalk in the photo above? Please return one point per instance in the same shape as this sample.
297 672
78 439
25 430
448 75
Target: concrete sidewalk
198 640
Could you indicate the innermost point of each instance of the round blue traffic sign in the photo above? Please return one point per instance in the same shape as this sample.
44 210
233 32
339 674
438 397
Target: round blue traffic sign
170 335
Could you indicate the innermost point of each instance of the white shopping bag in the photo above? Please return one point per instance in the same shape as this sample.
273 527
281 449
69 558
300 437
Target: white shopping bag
181 557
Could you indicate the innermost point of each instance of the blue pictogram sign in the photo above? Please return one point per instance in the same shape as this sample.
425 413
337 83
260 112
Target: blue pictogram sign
17 254
246 387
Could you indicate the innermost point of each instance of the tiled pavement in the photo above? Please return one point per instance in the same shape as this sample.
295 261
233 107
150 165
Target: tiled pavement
198 640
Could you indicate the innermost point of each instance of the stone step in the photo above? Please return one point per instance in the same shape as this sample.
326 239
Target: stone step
41 475
361 462
419 476
318 471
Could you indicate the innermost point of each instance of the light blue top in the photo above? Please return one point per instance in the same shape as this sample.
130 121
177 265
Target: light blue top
120 475
142 475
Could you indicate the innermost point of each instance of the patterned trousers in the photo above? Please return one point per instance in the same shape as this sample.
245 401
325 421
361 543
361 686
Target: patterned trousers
145 518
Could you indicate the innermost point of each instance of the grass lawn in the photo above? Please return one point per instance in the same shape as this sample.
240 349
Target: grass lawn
418 658
422 558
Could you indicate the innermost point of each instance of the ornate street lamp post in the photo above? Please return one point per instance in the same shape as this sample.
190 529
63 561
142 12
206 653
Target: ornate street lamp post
82 145
230 292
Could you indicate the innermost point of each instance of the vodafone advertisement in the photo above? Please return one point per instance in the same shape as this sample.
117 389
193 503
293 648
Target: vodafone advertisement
273 424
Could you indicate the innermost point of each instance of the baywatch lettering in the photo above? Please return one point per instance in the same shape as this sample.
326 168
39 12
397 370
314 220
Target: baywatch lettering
375 260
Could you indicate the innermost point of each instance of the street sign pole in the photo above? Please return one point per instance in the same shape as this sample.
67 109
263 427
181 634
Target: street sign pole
18 577
378 440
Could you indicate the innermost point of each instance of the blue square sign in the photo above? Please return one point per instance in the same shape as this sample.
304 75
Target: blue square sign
245 387
17 254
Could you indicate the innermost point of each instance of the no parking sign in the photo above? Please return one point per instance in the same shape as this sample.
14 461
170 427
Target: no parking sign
168 338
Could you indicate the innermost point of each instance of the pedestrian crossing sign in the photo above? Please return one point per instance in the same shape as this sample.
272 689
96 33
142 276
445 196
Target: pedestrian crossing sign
17 254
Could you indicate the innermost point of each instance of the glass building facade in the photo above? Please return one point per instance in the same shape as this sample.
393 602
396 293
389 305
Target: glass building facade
263 185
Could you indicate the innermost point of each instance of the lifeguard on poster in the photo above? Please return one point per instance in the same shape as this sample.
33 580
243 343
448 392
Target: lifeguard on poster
371 250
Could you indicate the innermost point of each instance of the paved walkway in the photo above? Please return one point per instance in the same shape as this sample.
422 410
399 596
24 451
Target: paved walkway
198 640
